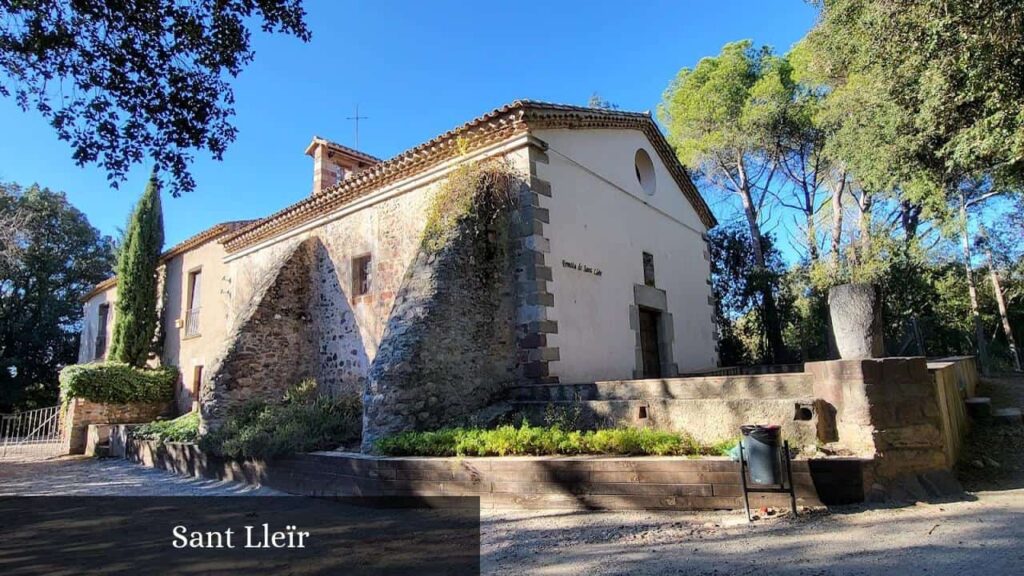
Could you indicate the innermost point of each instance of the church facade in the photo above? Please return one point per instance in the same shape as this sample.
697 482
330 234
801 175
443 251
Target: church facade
599 272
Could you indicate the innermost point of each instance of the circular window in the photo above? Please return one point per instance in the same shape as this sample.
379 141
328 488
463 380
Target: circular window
644 171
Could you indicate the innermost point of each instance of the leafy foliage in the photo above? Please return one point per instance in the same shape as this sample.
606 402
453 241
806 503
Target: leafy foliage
118 383
122 81
538 440
738 286
136 319
476 197
303 422
184 428
50 256
723 118
931 90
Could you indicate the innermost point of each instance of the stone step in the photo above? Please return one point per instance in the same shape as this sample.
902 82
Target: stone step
1008 416
979 407
707 420
764 386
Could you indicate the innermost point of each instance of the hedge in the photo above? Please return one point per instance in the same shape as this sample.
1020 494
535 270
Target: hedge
117 383
545 440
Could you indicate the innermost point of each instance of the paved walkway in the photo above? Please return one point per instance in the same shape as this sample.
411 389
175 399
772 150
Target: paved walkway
981 535
92 477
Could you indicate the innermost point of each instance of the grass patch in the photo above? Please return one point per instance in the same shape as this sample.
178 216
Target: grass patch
526 440
184 428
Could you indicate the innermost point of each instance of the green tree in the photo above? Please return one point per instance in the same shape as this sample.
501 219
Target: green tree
50 256
928 96
737 283
135 319
940 86
722 118
122 80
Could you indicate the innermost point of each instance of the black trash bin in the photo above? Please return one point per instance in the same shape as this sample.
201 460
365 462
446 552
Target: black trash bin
761 450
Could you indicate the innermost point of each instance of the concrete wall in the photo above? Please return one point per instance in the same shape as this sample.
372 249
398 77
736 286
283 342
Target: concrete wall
188 352
601 218
90 324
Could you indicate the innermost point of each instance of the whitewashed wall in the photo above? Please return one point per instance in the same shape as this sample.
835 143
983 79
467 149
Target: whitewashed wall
601 217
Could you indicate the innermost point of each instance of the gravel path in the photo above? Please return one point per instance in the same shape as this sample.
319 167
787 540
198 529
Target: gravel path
981 535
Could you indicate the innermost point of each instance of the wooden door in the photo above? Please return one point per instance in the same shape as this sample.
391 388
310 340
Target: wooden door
649 343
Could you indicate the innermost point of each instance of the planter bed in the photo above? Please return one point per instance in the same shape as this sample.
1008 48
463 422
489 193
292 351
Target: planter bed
560 482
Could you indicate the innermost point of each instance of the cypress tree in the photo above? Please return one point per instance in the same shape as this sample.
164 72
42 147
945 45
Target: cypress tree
135 319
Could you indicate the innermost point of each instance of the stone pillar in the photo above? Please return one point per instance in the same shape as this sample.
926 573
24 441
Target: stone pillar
886 409
856 314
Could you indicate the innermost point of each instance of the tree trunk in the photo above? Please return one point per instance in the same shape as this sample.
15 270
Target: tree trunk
864 223
773 328
1001 301
812 238
910 219
837 220
979 331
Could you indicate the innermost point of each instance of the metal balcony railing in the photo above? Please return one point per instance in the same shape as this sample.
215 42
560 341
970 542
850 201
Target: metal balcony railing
192 322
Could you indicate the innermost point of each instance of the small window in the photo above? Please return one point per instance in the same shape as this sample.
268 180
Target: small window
195 280
102 319
648 269
644 171
362 275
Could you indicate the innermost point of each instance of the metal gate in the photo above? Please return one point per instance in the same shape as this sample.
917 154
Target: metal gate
32 434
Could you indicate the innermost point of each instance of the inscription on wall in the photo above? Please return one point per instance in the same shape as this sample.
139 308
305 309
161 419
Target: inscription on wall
581 267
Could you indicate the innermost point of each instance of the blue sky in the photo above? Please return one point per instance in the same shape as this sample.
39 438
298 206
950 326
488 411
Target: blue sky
416 69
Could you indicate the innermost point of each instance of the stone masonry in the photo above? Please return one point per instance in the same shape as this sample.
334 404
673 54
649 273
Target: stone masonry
271 345
80 413
449 348
886 409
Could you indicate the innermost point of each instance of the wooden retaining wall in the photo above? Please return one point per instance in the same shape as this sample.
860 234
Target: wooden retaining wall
952 384
599 483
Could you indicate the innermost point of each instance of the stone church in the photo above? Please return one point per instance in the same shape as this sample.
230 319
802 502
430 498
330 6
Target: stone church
601 272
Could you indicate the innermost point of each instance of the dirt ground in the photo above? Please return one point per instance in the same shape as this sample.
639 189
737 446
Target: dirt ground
981 533
994 455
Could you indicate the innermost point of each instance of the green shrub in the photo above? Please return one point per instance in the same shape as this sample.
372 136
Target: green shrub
264 430
542 440
181 429
117 383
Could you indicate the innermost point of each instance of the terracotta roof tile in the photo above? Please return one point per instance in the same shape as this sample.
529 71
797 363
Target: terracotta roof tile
496 125
194 241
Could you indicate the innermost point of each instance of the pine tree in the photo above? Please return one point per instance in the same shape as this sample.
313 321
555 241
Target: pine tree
135 319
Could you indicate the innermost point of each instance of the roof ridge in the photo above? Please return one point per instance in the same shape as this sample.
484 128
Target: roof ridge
510 117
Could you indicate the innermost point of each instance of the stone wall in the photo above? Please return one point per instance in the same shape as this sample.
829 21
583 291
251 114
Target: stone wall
450 345
347 328
886 409
271 345
80 413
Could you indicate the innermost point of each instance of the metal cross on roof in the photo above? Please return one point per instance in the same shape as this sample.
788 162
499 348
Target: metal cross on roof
357 118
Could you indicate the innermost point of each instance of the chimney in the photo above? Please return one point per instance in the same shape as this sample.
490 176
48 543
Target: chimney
333 163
